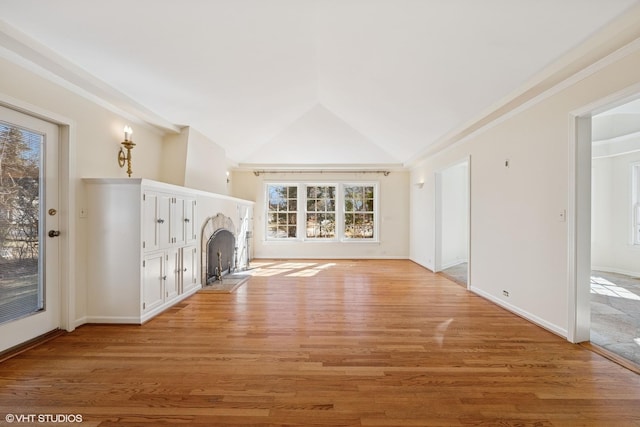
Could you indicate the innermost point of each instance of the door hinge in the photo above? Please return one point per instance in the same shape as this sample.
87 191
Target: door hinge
144 244
144 263
144 305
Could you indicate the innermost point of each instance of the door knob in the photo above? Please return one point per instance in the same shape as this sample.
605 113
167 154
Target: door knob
54 233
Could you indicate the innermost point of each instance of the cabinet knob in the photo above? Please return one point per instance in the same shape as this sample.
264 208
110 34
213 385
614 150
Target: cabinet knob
186 220
164 277
160 221
184 269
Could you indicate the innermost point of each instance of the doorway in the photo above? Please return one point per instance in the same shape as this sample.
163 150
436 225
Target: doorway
29 246
615 231
585 235
452 222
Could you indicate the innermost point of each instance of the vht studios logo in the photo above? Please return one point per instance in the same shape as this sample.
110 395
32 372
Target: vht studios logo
43 418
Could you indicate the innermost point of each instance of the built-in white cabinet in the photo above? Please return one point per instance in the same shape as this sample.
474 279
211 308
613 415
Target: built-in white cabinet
142 244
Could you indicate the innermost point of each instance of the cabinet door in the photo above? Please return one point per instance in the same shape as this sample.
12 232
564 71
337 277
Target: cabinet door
153 277
150 237
190 221
164 219
189 267
173 274
178 228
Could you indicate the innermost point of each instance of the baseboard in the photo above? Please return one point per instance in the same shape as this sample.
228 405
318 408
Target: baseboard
522 313
125 320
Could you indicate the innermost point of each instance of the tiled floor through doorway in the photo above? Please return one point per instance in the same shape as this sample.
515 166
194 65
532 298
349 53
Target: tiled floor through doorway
615 314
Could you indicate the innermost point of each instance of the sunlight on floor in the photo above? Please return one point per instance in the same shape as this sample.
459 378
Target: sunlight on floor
290 269
604 287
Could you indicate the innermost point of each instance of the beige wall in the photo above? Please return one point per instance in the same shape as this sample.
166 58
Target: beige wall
518 242
95 136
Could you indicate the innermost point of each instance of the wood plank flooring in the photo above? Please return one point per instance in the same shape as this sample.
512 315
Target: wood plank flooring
324 343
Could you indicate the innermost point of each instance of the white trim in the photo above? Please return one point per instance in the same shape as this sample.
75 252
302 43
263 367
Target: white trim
32 55
66 201
579 229
579 209
437 264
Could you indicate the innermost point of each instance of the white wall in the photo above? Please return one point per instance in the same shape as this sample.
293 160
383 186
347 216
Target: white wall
206 164
455 215
393 217
611 248
518 242
192 160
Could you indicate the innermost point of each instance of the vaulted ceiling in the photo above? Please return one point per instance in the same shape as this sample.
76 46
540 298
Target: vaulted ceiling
304 81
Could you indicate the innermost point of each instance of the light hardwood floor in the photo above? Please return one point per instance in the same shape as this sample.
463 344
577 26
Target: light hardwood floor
341 343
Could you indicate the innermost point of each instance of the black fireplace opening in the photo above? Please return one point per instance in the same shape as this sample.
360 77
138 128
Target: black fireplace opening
221 249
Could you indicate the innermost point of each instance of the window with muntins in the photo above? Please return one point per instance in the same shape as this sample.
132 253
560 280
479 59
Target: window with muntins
359 211
282 215
321 212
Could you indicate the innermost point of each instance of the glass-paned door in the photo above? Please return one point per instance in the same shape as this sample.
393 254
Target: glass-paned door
29 290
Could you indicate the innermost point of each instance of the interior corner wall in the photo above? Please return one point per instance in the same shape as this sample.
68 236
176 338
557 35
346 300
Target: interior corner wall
393 217
96 133
519 244
611 219
174 157
206 164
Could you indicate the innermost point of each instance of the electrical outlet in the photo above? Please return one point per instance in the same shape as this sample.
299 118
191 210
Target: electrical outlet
505 293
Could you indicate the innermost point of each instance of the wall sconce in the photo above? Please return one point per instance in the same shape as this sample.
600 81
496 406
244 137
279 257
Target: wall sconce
419 185
128 144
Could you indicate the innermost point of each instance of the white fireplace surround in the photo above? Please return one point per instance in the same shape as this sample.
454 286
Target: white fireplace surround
211 225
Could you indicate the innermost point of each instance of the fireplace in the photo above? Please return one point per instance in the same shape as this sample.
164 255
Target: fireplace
219 249
220 254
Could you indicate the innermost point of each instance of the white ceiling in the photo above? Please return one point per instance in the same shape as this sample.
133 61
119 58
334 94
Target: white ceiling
306 81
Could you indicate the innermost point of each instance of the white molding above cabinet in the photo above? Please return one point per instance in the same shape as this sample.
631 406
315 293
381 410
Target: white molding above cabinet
142 244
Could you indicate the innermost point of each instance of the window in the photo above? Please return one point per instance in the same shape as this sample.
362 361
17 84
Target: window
359 211
321 212
316 212
635 202
282 211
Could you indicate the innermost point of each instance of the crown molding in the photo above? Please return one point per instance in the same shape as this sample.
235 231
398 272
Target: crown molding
32 55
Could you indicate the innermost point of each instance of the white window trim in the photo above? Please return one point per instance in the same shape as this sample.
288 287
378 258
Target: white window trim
334 239
301 216
376 212
266 213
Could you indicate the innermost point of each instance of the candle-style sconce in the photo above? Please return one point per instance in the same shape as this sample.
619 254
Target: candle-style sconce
128 144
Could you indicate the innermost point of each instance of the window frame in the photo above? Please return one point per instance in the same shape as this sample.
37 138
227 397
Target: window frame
336 232
340 214
268 212
374 212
